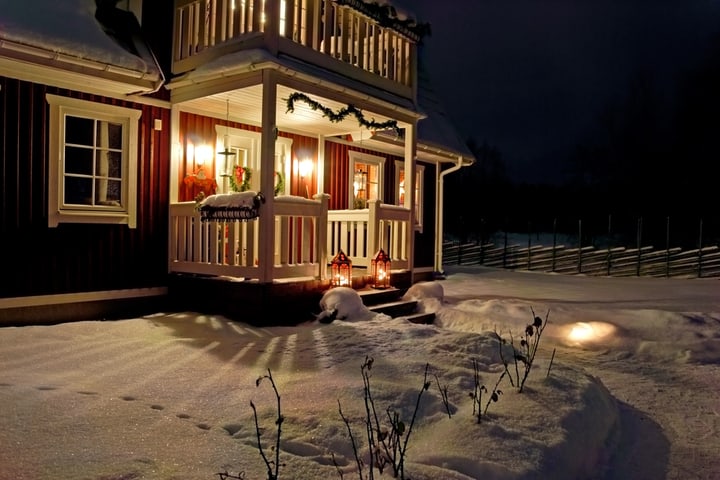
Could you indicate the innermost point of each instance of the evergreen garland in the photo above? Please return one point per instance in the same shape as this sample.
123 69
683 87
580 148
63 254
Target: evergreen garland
240 179
342 114
280 185
386 16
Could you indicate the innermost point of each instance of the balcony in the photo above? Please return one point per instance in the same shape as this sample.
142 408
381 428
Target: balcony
343 36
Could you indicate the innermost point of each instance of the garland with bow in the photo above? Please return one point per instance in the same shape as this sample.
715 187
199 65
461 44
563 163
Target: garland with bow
339 116
241 176
240 179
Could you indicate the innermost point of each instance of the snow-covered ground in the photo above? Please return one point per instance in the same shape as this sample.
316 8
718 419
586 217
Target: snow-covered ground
632 391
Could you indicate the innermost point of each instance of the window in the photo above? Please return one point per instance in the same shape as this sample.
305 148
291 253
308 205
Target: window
93 162
365 178
400 192
246 147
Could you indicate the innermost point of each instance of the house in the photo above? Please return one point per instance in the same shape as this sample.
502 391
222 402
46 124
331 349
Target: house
124 129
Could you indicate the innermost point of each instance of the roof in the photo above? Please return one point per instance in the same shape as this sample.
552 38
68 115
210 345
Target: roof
437 135
69 36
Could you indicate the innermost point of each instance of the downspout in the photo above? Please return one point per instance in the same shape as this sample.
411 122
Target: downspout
439 213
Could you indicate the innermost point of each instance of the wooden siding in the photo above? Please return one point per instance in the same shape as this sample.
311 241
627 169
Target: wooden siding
425 241
75 257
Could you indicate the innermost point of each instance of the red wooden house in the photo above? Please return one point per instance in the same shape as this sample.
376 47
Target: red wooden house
133 139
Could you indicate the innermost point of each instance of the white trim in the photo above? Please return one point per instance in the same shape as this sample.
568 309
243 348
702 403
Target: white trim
61 106
420 191
89 77
249 141
68 298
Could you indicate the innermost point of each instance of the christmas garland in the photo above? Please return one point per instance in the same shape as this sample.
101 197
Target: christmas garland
342 114
386 16
280 185
240 180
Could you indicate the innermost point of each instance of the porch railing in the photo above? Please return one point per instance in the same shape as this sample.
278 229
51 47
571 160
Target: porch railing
361 233
232 248
325 26
307 236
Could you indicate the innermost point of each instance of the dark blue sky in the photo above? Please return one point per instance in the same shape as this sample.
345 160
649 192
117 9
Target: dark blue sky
531 77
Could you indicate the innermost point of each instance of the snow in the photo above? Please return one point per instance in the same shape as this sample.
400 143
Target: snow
168 396
65 27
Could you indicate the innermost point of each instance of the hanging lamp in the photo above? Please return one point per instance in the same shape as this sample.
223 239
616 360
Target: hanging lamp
226 152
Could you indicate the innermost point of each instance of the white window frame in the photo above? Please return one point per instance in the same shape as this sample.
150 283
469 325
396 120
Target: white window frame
58 211
419 191
246 144
360 157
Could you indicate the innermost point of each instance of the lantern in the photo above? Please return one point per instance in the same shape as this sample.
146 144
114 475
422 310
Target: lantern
380 270
341 270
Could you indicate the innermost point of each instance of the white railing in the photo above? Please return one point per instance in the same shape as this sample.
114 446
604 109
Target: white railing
228 248
361 233
322 25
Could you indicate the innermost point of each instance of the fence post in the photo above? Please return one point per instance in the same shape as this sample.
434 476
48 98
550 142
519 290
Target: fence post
667 247
579 268
529 243
482 241
700 247
639 245
505 249
554 243
609 254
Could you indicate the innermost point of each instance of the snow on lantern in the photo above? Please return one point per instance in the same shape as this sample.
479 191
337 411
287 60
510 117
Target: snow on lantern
380 270
341 270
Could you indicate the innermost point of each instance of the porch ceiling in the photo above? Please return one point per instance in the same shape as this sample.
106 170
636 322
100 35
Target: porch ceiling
246 107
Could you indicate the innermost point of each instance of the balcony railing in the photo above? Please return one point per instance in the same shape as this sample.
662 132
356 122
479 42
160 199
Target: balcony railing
307 235
210 28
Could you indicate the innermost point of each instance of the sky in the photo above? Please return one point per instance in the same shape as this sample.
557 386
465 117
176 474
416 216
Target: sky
531 78
624 384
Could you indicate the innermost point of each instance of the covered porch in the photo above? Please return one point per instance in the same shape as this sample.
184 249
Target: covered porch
295 231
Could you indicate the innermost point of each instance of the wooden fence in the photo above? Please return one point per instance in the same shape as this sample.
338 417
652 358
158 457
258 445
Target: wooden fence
614 262
511 252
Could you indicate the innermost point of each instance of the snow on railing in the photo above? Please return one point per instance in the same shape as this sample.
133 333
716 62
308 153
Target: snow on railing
231 248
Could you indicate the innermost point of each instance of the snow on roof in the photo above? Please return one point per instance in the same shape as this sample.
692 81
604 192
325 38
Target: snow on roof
66 27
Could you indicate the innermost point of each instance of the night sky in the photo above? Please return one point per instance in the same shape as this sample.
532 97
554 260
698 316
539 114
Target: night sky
532 78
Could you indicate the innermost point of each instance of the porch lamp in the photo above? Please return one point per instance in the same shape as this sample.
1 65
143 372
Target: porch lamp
226 152
380 270
341 270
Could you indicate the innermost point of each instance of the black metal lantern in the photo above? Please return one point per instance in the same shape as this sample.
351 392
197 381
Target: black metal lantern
341 270
380 270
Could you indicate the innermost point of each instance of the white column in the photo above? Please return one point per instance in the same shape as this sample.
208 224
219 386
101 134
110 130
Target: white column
266 248
410 178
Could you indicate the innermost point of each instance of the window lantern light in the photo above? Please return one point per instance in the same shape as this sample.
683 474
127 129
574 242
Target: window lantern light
380 270
341 270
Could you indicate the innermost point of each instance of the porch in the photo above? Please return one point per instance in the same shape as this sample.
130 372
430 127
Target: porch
306 237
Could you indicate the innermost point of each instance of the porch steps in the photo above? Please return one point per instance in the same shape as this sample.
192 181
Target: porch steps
389 301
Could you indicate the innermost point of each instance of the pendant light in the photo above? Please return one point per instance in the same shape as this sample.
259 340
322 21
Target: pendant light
226 152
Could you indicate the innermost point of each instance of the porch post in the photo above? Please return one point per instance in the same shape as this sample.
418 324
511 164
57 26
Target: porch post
410 178
266 247
321 232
